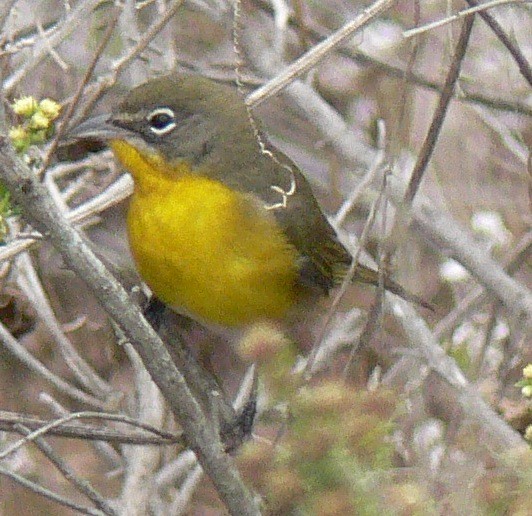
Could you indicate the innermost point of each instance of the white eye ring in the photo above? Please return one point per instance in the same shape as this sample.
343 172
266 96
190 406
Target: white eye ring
161 120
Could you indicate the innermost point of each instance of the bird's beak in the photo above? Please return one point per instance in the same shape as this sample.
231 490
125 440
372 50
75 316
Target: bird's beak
98 128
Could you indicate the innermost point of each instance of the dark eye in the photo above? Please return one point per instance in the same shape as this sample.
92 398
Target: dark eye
161 120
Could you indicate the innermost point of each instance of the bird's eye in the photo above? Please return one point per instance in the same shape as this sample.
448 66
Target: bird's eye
161 120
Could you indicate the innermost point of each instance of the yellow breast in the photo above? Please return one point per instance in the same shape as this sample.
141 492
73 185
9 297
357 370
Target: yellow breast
205 249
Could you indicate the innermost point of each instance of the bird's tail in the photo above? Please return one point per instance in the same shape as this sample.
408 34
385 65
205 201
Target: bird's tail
364 274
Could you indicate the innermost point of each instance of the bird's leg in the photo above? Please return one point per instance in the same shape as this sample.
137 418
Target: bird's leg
173 328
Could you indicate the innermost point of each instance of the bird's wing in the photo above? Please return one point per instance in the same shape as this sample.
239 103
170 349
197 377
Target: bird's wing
324 259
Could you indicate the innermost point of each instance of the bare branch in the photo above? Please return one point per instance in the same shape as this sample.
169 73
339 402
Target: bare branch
186 491
112 458
441 110
82 486
81 87
500 433
106 81
30 284
507 41
439 228
36 488
304 98
410 76
113 195
35 365
42 430
348 279
142 463
74 18
476 297
317 53
9 420
462 14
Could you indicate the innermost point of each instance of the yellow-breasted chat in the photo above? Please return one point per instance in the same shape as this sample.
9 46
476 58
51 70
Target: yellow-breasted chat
219 230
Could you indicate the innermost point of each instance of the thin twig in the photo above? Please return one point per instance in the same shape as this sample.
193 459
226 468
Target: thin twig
336 131
346 283
51 51
29 283
447 235
76 16
150 34
9 420
22 354
380 159
368 178
170 473
420 337
507 41
364 59
114 194
114 460
401 129
370 328
281 14
76 416
83 486
142 463
23 37
317 53
476 297
441 110
478 361
374 317
12 47
344 331
106 81
462 14
185 492
42 491
80 89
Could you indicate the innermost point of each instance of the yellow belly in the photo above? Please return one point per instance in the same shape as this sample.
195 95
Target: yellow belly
211 252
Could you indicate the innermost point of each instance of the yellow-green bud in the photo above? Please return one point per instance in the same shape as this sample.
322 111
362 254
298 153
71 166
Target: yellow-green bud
25 106
526 391
17 133
39 121
527 372
49 108
528 433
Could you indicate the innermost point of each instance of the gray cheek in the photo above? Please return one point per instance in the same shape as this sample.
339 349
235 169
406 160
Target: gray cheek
192 139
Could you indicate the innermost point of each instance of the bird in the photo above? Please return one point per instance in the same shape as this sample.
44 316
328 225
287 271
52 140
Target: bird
221 229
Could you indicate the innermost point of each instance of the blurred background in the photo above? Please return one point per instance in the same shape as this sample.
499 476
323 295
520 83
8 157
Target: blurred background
378 427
